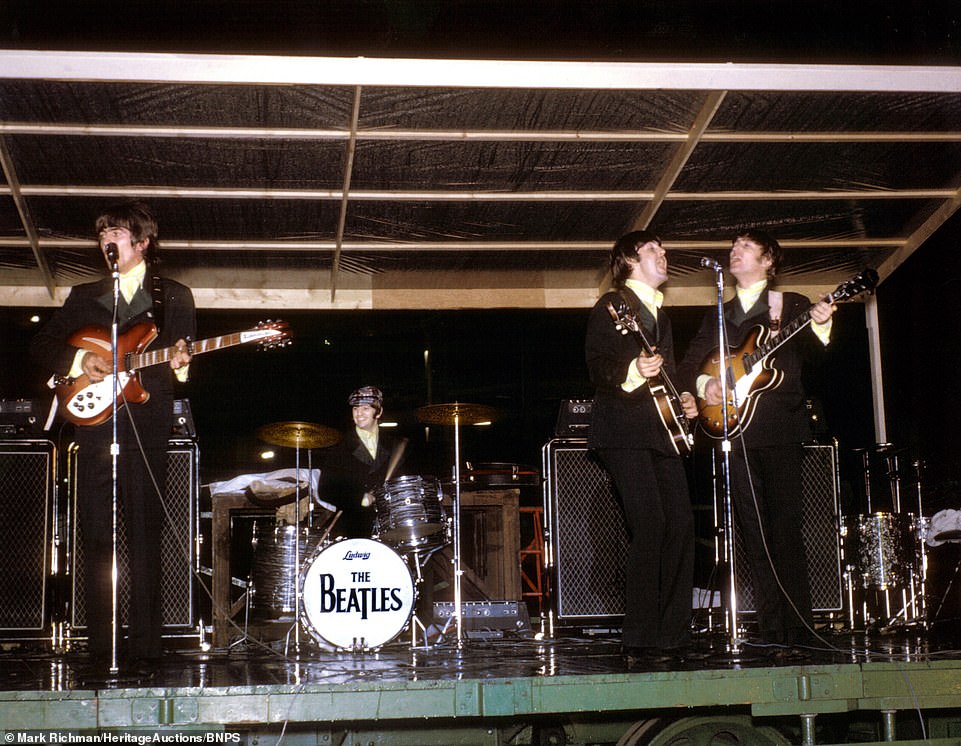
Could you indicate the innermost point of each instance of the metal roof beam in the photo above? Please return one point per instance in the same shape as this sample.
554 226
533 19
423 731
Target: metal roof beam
10 173
464 195
303 134
454 73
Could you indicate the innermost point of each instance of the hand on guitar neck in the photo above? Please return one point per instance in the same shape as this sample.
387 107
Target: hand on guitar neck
96 367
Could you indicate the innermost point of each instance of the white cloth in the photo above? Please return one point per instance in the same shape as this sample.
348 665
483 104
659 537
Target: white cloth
273 480
947 525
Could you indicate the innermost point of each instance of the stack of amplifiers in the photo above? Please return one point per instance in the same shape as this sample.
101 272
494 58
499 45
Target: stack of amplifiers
28 537
179 554
587 540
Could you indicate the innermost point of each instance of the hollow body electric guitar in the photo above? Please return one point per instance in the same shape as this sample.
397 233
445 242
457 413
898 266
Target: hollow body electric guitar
666 398
749 367
85 402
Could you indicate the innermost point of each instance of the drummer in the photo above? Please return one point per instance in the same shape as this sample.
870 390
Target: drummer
356 466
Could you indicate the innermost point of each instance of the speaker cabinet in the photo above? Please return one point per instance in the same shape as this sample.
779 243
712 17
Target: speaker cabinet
27 503
178 547
820 531
587 539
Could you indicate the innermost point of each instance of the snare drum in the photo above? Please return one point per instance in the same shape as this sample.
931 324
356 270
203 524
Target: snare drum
410 514
882 547
357 594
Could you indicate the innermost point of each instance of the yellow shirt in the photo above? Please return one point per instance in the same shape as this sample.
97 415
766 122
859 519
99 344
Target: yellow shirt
653 299
369 439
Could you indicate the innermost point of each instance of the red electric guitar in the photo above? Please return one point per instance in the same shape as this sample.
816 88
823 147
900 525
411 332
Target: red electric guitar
83 402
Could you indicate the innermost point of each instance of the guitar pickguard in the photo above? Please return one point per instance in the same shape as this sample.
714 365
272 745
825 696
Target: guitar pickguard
89 402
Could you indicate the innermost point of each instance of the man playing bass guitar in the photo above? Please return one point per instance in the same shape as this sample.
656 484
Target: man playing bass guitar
767 453
629 437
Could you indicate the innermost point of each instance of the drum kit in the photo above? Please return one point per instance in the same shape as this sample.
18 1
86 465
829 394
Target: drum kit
359 594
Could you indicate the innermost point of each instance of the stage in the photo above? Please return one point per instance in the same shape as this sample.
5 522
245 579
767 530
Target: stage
574 688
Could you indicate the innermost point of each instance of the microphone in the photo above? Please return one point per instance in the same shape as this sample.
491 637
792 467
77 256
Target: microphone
112 252
706 261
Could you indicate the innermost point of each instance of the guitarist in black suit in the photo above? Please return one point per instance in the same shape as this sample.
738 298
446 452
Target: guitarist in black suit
631 441
767 454
128 239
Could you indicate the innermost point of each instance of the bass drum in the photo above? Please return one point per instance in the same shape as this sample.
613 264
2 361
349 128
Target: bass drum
357 594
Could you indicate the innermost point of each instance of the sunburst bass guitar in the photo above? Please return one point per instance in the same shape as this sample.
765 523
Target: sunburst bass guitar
749 367
85 402
666 398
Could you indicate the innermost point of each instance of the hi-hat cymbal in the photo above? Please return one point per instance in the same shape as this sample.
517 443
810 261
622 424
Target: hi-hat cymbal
298 435
457 413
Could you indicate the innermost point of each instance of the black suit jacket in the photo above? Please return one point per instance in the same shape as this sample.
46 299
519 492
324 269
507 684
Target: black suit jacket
91 304
780 415
622 419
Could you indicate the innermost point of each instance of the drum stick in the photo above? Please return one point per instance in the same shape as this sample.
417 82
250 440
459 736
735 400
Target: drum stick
395 458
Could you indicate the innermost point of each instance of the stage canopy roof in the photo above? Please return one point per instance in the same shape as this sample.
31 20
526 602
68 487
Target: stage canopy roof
351 182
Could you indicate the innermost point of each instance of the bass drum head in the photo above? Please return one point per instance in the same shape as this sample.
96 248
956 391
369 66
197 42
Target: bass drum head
358 594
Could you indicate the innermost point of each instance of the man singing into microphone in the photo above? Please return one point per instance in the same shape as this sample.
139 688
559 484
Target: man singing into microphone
128 240
766 457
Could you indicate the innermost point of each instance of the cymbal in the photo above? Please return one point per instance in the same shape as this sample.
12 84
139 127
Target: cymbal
298 435
457 413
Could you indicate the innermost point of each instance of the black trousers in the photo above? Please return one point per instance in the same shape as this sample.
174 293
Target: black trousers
770 532
659 568
143 520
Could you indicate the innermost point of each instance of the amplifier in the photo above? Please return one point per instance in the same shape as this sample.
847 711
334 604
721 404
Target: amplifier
587 540
820 531
574 418
179 540
20 417
28 556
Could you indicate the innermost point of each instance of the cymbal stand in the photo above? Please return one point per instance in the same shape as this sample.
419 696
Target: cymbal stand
727 515
297 529
458 570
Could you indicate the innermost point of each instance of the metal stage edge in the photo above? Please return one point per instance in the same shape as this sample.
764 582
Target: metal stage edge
446 695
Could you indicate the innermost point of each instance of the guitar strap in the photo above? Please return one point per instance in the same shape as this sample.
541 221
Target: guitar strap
157 296
775 303
633 302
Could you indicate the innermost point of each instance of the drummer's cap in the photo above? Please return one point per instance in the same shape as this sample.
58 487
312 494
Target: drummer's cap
370 395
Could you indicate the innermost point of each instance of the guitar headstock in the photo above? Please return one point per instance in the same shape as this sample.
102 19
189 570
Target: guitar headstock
624 320
864 282
270 334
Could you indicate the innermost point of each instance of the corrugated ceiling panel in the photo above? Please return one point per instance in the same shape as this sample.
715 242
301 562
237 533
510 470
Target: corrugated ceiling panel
818 166
509 166
548 221
828 112
187 105
235 164
504 109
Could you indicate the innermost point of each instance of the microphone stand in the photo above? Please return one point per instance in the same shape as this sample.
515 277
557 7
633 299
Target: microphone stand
114 456
728 507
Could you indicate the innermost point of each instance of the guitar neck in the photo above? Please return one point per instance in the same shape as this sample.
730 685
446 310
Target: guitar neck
786 332
164 354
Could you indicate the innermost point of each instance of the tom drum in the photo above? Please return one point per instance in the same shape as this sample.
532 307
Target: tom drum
410 514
